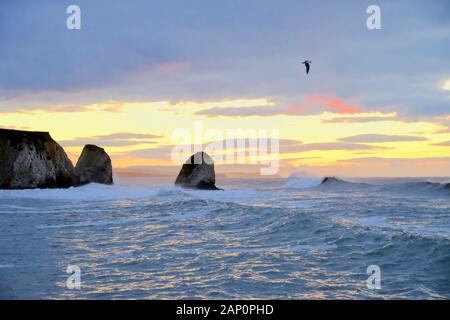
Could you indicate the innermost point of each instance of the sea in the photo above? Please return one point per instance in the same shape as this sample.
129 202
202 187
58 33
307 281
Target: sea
297 238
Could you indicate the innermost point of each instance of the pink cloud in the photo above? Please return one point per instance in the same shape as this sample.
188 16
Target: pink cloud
313 102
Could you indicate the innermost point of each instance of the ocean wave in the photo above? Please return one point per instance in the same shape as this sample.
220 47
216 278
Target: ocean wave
271 241
335 184
90 192
91 224
418 188
391 225
302 181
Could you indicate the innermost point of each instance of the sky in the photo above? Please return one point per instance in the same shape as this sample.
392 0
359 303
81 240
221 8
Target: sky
376 102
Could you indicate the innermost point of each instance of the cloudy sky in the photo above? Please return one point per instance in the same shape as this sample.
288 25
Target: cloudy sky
377 102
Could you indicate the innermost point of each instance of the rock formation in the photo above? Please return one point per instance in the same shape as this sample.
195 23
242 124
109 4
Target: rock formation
331 180
94 165
34 160
198 173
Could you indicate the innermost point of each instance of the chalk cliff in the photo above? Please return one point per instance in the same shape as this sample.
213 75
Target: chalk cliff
34 160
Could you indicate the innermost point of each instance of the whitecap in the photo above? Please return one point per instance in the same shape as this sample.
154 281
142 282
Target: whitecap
302 181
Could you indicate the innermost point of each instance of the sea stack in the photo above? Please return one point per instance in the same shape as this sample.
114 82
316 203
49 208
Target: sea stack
33 160
30 160
198 173
94 165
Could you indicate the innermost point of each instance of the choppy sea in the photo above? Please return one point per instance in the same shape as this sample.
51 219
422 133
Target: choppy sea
280 239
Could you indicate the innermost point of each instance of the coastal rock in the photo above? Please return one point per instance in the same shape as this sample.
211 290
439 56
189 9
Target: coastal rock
198 173
94 165
328 180
33 160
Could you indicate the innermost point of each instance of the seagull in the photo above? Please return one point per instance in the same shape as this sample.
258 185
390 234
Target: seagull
307 63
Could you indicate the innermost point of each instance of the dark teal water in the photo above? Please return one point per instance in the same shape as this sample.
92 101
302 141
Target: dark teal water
255 240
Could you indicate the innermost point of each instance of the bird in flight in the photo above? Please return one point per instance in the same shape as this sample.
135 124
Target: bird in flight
307 63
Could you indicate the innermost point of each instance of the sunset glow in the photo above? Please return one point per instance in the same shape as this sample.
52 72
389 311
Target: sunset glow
321 137
446 85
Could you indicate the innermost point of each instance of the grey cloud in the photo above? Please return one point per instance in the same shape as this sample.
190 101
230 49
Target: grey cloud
360 119
262 111
233 48
285 146
412 160
374 138
113 140
328 146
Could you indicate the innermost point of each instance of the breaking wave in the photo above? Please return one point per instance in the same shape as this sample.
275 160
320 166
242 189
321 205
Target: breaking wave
302 181
333 184
309 237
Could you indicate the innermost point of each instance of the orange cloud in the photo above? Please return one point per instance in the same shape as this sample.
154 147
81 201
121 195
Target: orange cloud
311 102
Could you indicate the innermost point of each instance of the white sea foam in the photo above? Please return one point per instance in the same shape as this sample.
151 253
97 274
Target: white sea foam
98 192
90 192
239 196
254 234
302 181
